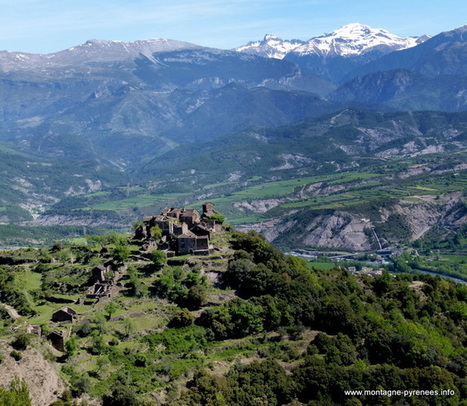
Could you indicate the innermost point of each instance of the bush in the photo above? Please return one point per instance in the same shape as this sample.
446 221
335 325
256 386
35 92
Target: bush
159 258
21 342
196 297
121 253
16 355
17 394
218 218
140 360
183 318
121 396
71 347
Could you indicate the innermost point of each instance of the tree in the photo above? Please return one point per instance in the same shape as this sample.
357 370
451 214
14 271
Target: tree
110 308
121 395
136 287
182 318
21 342
121 253
196 297
98 321
118 239
128 327
101 363
383 283
101 240
156 232
64 255
159 258
71 347
98 345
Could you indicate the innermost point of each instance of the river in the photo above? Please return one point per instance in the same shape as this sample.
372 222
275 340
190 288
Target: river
453 278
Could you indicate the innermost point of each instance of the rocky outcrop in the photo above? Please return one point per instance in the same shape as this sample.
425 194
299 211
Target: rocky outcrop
338 230
42 378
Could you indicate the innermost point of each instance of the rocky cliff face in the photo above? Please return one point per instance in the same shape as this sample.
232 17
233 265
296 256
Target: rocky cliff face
359 229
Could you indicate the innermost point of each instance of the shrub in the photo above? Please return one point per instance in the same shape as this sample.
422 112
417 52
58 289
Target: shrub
16 355
159 258
218 218
121 396
183 318
140 360
196 297
121 253
21 342
17 394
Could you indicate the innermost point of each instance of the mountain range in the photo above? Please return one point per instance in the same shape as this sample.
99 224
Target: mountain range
335 54
105 114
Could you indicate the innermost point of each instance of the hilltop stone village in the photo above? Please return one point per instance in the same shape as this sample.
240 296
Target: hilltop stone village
179 231
176 231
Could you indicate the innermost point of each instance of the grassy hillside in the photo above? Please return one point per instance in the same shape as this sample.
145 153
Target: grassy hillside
239 326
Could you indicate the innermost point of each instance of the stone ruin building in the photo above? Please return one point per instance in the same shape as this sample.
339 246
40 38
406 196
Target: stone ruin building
100 283
57 339
184 231
64 314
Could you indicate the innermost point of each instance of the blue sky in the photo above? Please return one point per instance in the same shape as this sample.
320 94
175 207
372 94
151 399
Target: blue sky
45 26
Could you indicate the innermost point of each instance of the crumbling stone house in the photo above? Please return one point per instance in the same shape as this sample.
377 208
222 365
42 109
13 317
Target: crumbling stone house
208 210
184 231
101 285
64 314
57 339
190 243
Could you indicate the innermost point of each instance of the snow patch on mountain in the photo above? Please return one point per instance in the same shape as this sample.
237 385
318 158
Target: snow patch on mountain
108 50
92 51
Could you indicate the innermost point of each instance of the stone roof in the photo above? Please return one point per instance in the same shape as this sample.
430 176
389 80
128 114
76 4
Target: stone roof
188 234
68 310
190 211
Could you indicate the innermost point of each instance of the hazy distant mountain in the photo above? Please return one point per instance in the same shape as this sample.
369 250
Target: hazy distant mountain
212 68
87 115
318 144
430 76
444 54
403 89
134 108
93 51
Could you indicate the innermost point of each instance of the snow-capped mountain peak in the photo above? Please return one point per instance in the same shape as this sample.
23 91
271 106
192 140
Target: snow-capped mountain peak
350 40
355 39
271 47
